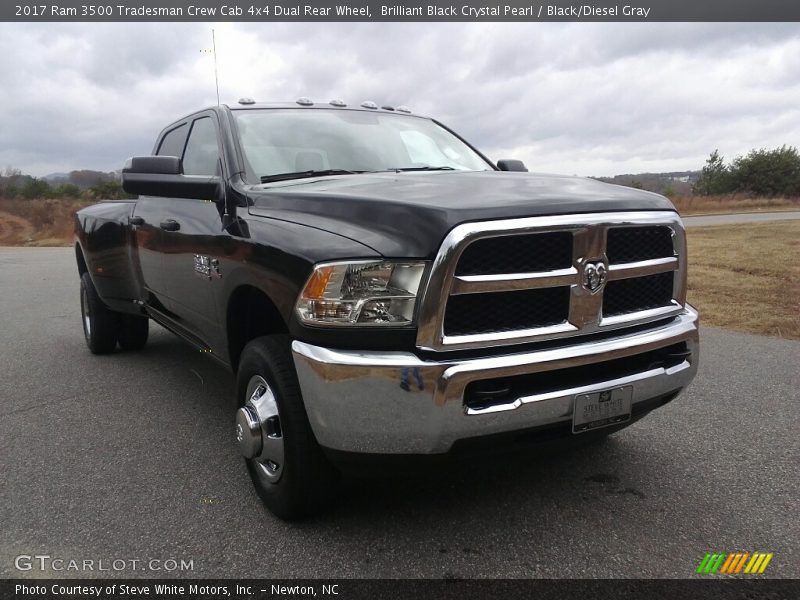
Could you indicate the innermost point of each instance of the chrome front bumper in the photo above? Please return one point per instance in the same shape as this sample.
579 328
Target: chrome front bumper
356 403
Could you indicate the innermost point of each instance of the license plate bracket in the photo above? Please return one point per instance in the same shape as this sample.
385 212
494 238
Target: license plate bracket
604 408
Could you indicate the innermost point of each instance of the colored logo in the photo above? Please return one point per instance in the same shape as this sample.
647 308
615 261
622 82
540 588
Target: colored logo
734 563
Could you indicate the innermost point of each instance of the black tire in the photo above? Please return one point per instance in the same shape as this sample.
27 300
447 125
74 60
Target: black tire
100 323
133 331
307 478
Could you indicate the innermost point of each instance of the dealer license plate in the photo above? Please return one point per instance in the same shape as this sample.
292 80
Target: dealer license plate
601 409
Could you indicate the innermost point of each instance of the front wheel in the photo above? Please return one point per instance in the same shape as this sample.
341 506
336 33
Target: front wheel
287 466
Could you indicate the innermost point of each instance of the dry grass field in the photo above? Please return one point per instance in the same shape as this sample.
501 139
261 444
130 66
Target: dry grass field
745 277
37 222
698 205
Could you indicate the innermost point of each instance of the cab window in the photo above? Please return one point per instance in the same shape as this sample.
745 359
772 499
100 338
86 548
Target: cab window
173 141
202 152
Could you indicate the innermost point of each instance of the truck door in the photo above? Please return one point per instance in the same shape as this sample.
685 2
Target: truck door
192 246
150 215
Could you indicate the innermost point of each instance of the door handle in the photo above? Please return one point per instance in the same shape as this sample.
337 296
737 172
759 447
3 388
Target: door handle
170 225
135 221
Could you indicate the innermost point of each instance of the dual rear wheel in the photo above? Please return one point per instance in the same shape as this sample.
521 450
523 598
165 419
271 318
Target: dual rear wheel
104 328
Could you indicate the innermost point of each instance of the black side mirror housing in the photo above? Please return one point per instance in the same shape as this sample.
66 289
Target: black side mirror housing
509 164
162 176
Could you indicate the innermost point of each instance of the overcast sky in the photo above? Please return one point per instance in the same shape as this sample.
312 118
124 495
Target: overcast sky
584 98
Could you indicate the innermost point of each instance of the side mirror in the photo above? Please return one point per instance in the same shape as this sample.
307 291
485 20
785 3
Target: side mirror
511 165
162 176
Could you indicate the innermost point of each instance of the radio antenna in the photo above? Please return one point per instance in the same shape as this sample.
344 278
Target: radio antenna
216 78
214 50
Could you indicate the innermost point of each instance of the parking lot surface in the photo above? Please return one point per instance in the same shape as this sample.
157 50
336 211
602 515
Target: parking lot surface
132 456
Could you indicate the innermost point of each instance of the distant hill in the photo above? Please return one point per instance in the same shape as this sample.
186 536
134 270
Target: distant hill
85 184
678 183
84 178
57 177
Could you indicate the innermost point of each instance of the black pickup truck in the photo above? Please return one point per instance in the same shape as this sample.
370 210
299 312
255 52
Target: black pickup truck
383 290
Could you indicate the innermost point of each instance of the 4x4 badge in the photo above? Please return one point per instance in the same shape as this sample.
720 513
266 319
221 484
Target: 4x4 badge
594 275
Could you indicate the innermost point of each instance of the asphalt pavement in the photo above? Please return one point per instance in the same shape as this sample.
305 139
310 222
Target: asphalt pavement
131 457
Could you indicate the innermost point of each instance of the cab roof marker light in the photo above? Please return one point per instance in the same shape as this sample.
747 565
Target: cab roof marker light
339 103
403 109
303 101
387 107
246 101
369 104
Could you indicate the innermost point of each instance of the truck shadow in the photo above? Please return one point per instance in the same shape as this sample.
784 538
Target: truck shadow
562 472
409 495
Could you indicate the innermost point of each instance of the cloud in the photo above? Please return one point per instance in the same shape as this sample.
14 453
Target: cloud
590 99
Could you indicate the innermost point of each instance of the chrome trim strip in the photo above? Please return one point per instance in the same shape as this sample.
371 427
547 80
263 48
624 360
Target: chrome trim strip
642 268
356 358
617 347
509 282
585 316
642 316
465 371
457 377
488 339
399 403
585 389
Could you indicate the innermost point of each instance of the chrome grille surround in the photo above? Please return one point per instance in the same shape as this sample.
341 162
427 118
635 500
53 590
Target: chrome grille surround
585 314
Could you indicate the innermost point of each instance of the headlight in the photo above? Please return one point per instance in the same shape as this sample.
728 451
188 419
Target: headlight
361 293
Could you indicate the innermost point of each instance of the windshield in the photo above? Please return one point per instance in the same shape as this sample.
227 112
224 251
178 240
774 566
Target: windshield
300 141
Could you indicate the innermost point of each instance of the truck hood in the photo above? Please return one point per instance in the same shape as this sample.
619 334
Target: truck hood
408 214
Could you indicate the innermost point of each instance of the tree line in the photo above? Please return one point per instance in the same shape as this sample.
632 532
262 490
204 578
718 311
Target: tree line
766 173
86 185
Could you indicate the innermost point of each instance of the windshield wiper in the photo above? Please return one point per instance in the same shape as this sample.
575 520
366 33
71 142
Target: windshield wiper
303 174
425 168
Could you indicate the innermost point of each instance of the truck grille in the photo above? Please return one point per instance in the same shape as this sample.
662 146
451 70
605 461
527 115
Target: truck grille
637 294
469 314
517 254
629 244
504 282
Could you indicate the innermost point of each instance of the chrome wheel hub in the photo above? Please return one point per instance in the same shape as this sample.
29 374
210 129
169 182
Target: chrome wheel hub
258 430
